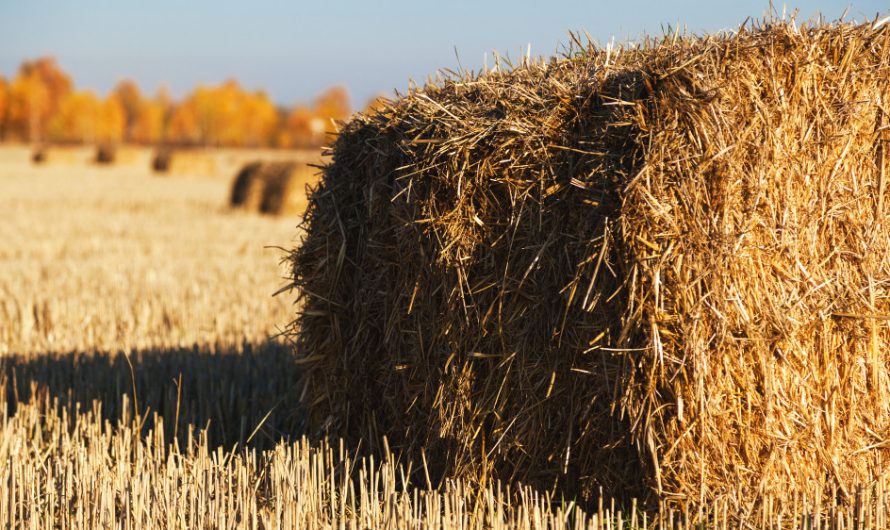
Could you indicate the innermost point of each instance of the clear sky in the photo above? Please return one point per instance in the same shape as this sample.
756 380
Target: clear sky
295 49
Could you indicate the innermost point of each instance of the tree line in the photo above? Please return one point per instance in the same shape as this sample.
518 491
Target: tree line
41 105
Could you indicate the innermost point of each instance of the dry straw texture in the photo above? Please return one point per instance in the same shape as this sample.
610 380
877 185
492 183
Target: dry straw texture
659 270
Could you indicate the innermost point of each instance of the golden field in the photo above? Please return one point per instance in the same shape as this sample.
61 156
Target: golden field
146 384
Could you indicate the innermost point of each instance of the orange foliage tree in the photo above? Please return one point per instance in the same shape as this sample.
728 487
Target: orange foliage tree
308 126
151 123
84 118
4 91
39 104
75 120
111 120
130 97
34 97
225 115
303 128
333 104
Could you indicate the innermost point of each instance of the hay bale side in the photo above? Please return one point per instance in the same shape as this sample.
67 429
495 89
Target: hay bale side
285 192
662 270
105 154
249 187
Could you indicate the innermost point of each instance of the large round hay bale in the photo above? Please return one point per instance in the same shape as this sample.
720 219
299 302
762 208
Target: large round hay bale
249 187
285 192
160 162
662 269
105 154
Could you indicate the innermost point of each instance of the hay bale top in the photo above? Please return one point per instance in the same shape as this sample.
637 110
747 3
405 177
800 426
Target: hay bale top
654 269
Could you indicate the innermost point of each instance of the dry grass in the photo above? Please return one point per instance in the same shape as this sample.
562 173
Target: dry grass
70 468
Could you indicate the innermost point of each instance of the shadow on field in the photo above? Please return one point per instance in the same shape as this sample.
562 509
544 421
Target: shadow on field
244 395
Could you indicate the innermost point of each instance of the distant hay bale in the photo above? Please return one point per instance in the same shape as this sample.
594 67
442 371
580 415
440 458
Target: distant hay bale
39 155
249 187
285 188
276 188
105 154
160 162
661 269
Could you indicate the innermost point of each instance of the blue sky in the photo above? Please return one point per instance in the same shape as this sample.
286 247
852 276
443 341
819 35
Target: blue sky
295 49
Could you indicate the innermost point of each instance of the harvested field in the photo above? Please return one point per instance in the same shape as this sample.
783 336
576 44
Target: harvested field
658 271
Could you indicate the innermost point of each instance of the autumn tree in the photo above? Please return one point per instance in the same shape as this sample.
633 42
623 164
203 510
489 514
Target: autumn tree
224 115
34 97
75 120
303 127
130 98
183 127
84 118
333 105
39 104
307 126
151 124
111 120
4 91
261 119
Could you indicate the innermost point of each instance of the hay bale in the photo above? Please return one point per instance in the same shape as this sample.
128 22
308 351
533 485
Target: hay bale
285 192
105 154
39 155
660 270
249 187
160 162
